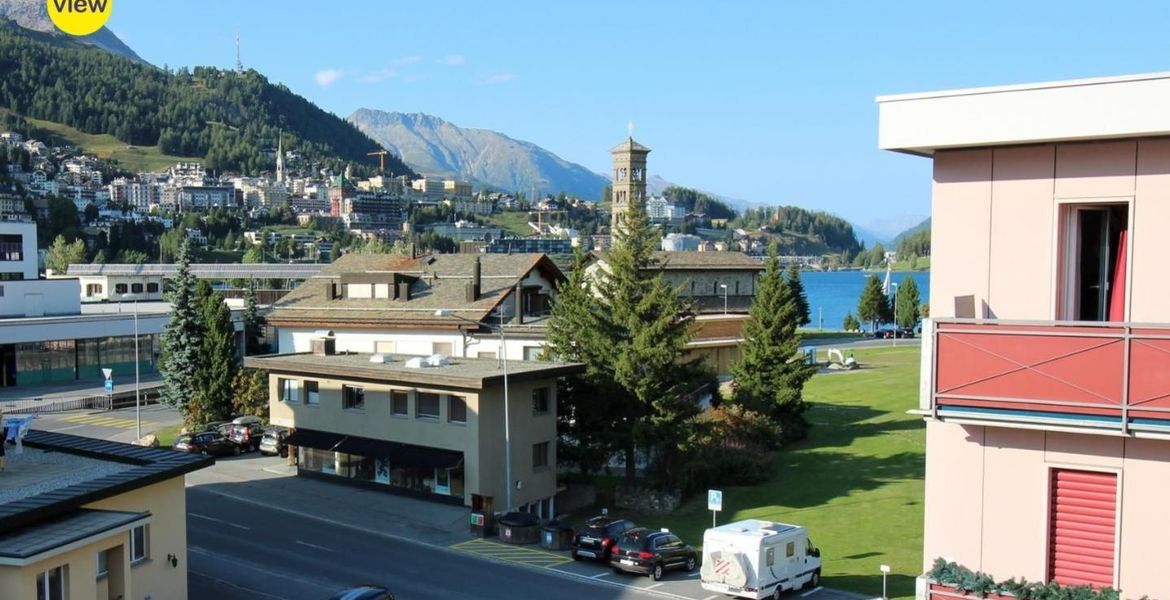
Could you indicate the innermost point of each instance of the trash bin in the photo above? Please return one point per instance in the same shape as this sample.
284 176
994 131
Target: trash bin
482 525
556 535
519 528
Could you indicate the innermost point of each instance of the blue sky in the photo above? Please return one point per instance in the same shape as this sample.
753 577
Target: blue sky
771 102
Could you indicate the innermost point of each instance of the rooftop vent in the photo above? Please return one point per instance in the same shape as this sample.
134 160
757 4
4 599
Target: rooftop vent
378 358
415 363
437 360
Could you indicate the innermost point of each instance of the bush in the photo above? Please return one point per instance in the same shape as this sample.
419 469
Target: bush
982 584
721 466
731 446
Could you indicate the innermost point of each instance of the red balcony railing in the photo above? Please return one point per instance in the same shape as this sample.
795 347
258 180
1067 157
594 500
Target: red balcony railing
1116 374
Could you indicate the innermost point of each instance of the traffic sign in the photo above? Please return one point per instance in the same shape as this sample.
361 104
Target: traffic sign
109 386
109 373
714 500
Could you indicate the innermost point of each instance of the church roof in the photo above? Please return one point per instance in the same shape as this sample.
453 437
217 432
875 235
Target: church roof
628 146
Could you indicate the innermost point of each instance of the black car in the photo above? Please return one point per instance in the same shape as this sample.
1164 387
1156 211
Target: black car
649 552
207 442
597 538
365 592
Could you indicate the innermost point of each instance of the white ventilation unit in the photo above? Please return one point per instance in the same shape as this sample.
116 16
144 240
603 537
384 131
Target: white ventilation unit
378 358
416 363
437 360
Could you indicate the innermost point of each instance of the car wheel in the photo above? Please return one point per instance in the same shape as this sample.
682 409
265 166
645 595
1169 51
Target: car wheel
690 564
617 571
776 595
573 553
657 572
815 580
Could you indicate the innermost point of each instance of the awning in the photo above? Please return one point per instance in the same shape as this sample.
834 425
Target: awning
407 455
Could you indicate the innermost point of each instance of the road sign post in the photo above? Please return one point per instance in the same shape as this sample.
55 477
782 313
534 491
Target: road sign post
109 373
714 503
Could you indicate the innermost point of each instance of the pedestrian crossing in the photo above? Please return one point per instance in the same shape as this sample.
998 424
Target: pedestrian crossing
100 421
512 553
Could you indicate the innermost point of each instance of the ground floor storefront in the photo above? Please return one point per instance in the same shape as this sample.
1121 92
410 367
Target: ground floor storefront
55 361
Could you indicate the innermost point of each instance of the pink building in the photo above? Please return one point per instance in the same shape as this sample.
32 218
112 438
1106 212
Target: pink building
1046 364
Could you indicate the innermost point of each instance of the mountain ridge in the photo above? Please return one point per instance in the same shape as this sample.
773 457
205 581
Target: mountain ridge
34 15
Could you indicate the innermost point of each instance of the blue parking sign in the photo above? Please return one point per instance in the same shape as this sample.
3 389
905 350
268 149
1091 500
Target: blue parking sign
109 386
714 500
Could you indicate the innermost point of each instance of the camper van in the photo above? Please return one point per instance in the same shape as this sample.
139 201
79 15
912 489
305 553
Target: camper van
758 559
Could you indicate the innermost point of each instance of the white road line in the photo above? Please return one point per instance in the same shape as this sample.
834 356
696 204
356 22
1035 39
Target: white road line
204 517
234 585
219 556
238 526
693 574
711 597
808 593
599 575
649 587
314 546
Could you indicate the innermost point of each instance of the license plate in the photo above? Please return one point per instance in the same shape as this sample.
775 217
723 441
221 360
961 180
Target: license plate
588 540
627 562
586 553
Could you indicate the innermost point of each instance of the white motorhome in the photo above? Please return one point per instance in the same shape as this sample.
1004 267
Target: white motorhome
759 559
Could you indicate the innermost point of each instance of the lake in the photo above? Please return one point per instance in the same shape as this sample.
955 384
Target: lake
833 294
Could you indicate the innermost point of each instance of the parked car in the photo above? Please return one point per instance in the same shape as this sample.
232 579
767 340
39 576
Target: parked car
597 538
365 592
217 426
647 552
207 442
247 431
272 442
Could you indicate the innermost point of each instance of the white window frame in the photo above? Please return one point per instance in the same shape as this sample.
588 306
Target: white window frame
103 563
289 389
138 555
312 397
356 391
43 579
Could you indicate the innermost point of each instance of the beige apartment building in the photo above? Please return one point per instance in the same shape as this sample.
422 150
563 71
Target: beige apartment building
85 518
436 430
1046 361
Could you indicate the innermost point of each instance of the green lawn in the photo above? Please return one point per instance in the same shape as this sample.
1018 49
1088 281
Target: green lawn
856 482
166 435
515 222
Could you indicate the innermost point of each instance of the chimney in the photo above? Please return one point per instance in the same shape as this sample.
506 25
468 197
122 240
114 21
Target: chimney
324 346
332 290
404 290
519 305
476 282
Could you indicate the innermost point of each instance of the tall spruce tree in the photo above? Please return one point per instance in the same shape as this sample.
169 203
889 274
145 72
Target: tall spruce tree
873 306
252 320
770 377
212 398
182 338
796 290
906 304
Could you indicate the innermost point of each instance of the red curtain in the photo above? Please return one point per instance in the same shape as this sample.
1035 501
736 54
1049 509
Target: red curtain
1117 292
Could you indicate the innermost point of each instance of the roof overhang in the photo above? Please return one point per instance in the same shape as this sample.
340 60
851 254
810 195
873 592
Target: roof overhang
1061 111
46 540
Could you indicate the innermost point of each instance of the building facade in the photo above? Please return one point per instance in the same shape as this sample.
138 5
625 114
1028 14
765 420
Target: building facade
1045 380
629 178
435 431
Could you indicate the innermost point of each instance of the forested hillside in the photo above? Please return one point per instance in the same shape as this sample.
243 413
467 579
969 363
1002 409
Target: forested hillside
224 116
697 202
836 233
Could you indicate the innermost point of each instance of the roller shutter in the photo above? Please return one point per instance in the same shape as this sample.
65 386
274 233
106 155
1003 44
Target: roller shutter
1083 527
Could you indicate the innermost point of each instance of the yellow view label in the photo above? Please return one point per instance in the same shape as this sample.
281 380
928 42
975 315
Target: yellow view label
80 17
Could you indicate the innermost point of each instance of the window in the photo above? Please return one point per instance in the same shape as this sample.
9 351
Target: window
312 396
136 288
540 455
139 544
288 389
103 563
790 550
353 397
93 289
120 288
456 409
480 355
399 403
1094 262
443 348
426 405
540 401
152 288
770 558
51 584
532 353
384 346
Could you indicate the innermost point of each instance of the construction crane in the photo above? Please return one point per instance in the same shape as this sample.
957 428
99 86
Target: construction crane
381 159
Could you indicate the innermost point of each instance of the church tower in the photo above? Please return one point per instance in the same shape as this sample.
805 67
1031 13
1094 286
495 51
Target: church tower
629 178
280 158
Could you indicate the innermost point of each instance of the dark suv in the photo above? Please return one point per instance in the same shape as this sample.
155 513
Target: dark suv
648 552
597 538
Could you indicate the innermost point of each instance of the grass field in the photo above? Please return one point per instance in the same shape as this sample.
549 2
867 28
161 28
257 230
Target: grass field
856 482
166 435
132 158
515 222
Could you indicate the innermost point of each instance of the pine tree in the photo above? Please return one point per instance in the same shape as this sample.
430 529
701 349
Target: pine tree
906 304
182 339
769 377
873 306
252 320
850 323
796 290
212 396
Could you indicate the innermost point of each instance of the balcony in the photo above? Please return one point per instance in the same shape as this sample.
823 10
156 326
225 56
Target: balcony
1111 377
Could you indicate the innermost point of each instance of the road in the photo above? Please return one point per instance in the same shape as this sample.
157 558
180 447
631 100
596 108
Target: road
238 550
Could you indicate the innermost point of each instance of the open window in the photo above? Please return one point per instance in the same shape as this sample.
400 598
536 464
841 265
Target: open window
1094 262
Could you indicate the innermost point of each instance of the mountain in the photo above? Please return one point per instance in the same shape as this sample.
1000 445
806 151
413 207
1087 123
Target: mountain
886 228
923 226
222 117
34 15
433 146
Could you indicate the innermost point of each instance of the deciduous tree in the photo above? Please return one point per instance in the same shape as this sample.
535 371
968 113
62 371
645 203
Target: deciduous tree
62 254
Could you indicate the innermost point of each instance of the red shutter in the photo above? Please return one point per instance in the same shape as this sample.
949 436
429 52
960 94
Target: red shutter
1083 527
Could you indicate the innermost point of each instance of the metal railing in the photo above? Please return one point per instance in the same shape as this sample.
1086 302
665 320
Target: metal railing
149 395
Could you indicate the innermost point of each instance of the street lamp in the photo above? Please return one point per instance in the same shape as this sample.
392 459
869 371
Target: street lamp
895 286
137 384
724 286
445 312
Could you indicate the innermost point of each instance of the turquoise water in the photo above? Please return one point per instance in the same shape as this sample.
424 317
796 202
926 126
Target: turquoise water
834 294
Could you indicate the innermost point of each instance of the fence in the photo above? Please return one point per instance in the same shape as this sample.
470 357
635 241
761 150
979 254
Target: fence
99 402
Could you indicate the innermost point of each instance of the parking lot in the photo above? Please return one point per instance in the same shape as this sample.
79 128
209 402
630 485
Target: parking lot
674 584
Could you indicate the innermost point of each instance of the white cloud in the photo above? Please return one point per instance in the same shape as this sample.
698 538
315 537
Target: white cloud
407 60
327 77
496 78
452 60
379 75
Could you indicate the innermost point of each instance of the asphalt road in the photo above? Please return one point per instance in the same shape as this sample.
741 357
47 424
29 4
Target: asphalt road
242 551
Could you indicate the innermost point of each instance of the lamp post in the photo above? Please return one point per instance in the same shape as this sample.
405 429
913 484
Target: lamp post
895 286
444 312
137 384
724 286
885 569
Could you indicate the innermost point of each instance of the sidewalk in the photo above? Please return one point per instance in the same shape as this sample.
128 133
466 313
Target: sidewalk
77 389
268 481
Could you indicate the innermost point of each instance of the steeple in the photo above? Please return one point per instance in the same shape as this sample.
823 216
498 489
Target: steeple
629 178
280 158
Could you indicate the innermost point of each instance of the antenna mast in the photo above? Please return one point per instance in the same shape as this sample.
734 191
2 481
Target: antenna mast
239 64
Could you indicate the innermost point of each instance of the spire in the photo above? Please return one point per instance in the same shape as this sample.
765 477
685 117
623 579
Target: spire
280 157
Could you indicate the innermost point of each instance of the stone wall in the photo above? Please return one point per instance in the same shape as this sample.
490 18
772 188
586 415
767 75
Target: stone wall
646 500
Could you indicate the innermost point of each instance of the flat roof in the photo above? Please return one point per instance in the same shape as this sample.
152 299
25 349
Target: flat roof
202 270
28 542
1097 108
468 373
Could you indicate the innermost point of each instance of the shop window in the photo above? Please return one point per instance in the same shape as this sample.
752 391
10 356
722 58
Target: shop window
456 409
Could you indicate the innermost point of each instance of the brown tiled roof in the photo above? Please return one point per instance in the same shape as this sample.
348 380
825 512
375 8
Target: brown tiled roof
688 261
629 145
440 282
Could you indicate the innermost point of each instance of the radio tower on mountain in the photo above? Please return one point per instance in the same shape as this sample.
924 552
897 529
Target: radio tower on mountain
239 64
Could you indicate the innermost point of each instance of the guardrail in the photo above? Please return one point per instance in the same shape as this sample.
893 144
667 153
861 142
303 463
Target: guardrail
92 402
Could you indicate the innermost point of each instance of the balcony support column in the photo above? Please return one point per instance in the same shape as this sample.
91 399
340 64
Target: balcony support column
1127 341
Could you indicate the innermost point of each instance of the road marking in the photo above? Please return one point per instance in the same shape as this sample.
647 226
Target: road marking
693 574
235 561
101 421
711 597
207 518
314 546
650 587
234 585
510 553
812 591
600 575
